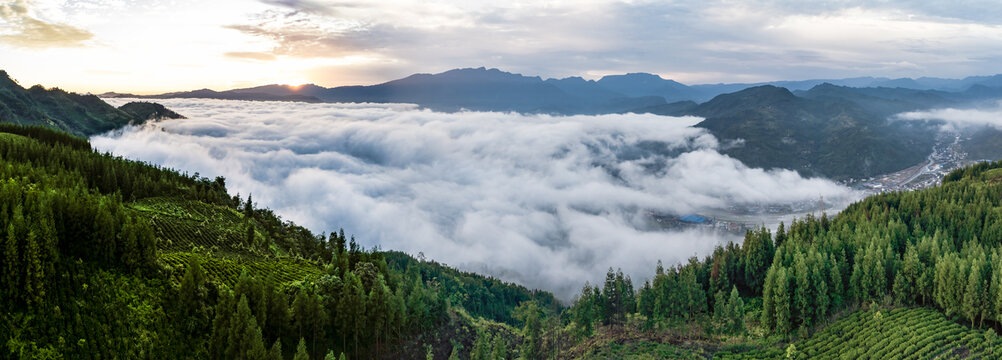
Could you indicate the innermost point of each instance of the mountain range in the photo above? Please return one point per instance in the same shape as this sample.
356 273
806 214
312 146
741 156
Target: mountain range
482 89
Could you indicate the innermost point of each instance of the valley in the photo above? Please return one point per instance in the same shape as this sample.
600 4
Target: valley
457 183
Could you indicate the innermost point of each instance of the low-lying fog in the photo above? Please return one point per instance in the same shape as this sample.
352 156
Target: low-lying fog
548 202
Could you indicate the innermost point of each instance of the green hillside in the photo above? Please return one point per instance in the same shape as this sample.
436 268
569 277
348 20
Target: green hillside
109 258
818 136
149 111
81 115
929 261
104 257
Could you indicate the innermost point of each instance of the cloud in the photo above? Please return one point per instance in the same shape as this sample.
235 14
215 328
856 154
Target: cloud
257 56
24 30
549 202
690 41
957 119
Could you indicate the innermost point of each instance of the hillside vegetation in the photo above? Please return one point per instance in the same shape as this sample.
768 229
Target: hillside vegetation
81 115
110 258
898 333
897 254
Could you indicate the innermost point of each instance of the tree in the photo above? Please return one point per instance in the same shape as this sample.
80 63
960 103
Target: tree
791 352
531 315
781 301
759 250
193 294
768 318
301 353
612 304
736 318
721 310
780 234
991 338
585 311
219 341
249 207
351 310
378 308
500 349
276 350
244 334
878 318
481 347
801 295
256 349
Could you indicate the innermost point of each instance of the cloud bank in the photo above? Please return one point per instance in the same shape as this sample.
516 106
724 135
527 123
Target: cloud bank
957 119
549 202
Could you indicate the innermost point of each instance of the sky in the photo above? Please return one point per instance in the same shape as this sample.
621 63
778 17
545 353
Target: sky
152 46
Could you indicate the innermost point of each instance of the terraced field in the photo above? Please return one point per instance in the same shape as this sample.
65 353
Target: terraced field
217 236
227 270
901 333
183 225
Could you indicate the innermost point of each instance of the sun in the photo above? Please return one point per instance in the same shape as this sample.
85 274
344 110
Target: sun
296 85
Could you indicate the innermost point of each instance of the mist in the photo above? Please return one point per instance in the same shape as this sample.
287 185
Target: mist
959 119
549 202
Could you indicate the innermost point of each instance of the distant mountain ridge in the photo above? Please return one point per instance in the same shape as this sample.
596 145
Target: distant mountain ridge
483 89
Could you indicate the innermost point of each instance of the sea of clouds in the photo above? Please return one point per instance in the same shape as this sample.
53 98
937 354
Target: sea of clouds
546 201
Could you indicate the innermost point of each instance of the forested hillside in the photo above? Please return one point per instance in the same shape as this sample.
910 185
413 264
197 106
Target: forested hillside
937 248
81 115
108 258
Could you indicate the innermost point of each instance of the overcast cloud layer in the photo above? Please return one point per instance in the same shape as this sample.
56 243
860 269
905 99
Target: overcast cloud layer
548 202
154 46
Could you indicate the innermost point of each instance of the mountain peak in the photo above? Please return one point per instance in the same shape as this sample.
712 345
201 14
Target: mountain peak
643 84
468 75
750 98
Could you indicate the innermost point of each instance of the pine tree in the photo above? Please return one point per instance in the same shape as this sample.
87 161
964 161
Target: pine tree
585 312
612 303
218 342
737 312
275 353
801 293
530 314
249 207
193 294
768 318
255 343
351 310
301 351
781 301
378 309
759 250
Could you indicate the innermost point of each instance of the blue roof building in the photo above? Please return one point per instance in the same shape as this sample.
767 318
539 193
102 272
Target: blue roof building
694 219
